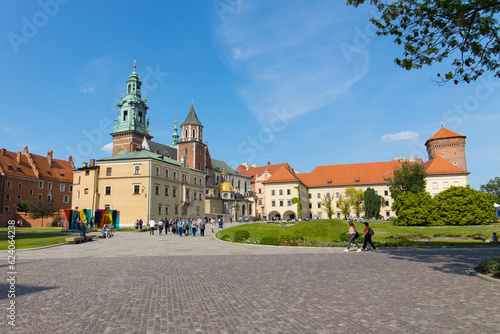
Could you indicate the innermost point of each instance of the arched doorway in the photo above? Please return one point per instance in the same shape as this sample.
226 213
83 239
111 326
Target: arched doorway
274 215
289 215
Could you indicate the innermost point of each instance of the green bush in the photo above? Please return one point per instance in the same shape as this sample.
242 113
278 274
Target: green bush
343 237
477 236
269 241
241 235
490 266
224 237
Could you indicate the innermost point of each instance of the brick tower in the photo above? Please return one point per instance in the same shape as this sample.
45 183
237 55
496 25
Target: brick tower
191 146
131 127
448 145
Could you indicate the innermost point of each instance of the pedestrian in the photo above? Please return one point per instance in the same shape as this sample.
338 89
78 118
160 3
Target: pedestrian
160 227
193 228
367 234
140 224
136 224
179 227
202 228
152 227
353 235
212 225
494 238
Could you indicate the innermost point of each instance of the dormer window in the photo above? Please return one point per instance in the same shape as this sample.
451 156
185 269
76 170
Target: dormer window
194 133
140 116
125 115
129 88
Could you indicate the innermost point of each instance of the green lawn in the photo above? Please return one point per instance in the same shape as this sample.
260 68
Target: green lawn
34 240
386 234
33 229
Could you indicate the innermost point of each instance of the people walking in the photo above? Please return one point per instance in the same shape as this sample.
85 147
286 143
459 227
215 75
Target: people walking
160 227
152 227
179 228
367 233
212 225
202 228
353 235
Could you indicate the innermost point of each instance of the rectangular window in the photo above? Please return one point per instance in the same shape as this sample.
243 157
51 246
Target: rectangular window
289 203
62 187
49 197
434 185
137 189
281 192
260 202
7 197
6 209
288 192
31 191
19 186
137 170
273 203
166 191
157 190
166 210
376 192
39 197
40 185
107 190
445 185
78 194
319 206
49 185
108 171
107 206
184 211
386 203
174 192
86 191
158 171
66 199
386 192
70 188
175 175
176 210
310 206
318 195
159 210
272 192
87 173
166 173
281 203
310 196
327 195
337 195
8 184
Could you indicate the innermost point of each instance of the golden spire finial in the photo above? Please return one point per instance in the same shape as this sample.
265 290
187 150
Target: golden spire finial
134 64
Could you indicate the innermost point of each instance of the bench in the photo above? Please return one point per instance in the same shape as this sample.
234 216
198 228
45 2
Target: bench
89 237
75 240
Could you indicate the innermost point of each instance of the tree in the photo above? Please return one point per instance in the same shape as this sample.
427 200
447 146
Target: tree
373 203
493 188
297 200
327 202
413 209
356 199
462 206
41 209
22 206
345 206
409 178
432 31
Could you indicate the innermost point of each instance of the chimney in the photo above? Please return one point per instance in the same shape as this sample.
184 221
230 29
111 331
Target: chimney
92 163
84 165
49 158
268 164
3 151
18 157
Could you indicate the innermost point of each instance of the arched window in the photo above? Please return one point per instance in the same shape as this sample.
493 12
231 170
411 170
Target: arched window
129 88
194 133
125 115
186 151
186 133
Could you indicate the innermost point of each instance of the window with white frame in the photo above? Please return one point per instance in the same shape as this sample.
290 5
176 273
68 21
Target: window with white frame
137 169
62 187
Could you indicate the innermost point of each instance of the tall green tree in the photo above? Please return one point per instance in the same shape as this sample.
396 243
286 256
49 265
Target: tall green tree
41 209
493 188
462 206
327 203
433 30
373 203
345 206
297 200
410 177
356 199
413 209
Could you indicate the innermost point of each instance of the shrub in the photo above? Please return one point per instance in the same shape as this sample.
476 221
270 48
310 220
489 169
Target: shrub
241 235
224 237
285 236
343 237
490 266
269 241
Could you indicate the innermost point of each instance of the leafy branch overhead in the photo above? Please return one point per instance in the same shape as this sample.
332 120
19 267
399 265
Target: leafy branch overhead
433 30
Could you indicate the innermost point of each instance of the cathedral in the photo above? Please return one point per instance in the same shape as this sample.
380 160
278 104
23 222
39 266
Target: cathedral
144 179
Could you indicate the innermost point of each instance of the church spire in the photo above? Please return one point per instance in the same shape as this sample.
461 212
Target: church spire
175 136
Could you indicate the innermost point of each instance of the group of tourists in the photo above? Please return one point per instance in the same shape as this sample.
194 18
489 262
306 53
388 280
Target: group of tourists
182 226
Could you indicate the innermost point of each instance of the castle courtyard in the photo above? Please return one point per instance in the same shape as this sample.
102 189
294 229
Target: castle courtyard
137 283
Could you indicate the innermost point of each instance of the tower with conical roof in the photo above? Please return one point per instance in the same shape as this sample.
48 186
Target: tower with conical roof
131 126
175 136
448 145
191 144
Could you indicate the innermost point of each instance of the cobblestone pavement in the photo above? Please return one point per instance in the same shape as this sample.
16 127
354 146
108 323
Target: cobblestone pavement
137 283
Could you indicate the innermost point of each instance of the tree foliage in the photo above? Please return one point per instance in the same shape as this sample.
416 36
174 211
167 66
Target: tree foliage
23 206
41 209
345 206
297 200
433 30
356 199
373 203
493 188
409 178
327 203
462 206
413 209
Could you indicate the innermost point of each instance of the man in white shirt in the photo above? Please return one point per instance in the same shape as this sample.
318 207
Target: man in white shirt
152 227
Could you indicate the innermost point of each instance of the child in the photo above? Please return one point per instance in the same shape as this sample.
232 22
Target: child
495 238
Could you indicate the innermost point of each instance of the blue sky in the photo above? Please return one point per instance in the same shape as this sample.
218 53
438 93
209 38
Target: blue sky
303 82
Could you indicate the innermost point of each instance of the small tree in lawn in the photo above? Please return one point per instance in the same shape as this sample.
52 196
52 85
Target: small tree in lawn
356 199
23 206
41 209
327 203
373 203
345 206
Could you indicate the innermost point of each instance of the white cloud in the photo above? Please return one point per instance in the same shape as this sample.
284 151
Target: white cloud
108 148
84 89
404 135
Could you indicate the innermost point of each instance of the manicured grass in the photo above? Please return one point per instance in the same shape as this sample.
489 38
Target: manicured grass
490 267
33 229
34 240
386 234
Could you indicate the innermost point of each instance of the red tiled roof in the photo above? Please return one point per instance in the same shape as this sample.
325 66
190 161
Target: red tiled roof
445 133
439 166
351 174
283 175
61 170
252 171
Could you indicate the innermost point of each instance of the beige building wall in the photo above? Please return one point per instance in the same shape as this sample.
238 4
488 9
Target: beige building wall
437 183
278 200
85 181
